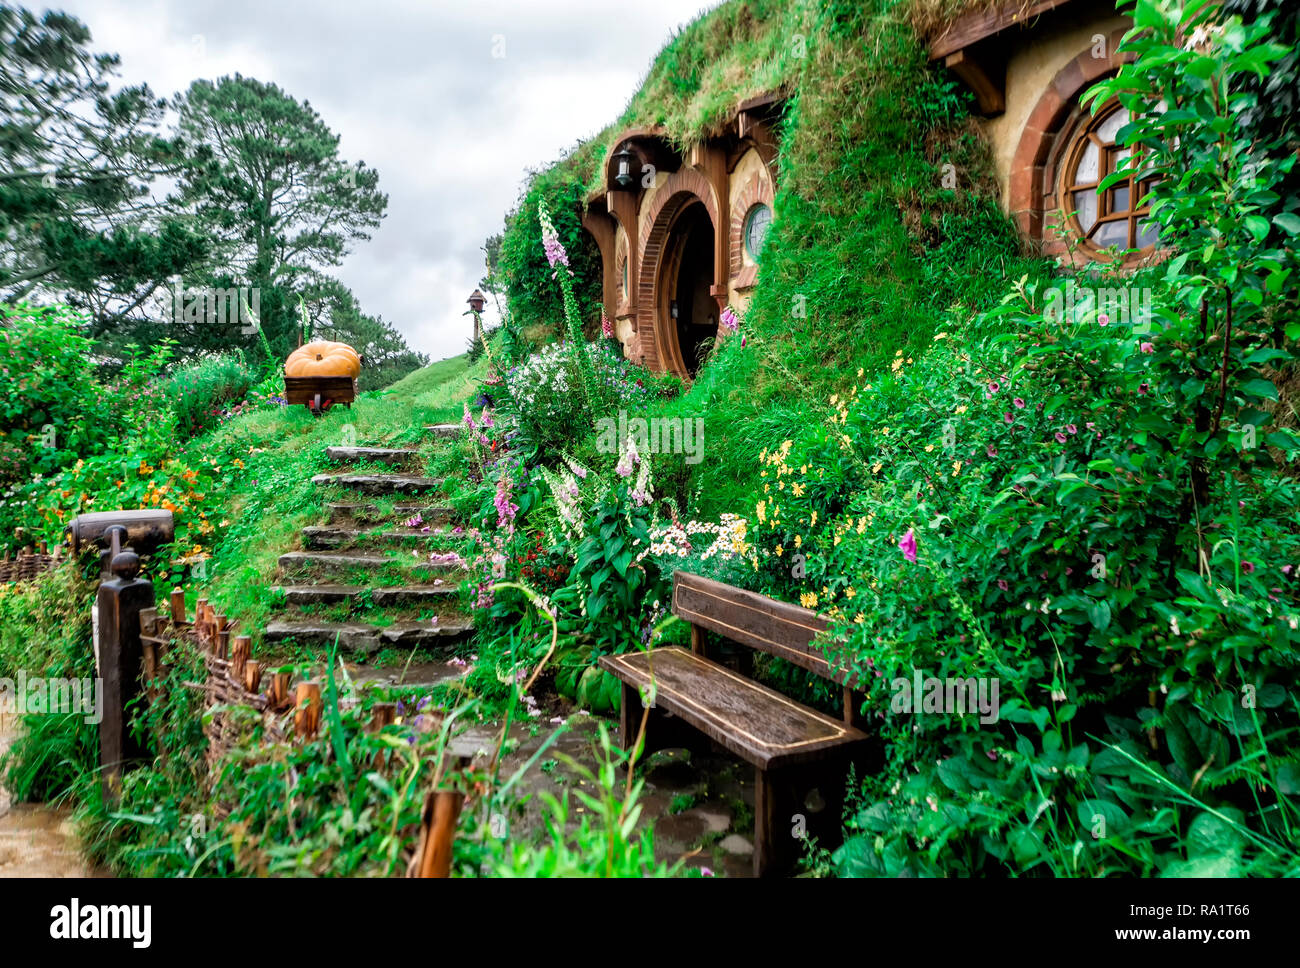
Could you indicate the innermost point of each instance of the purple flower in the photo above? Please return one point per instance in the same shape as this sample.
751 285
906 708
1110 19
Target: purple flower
907 545
1019 402
1247 568
1008 417
1071 429
1060 437
469 419
1002 583
729 319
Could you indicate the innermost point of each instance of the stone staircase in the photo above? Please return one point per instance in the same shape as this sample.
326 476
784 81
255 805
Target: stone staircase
375 575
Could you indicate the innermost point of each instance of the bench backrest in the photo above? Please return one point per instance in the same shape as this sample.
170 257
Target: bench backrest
748 618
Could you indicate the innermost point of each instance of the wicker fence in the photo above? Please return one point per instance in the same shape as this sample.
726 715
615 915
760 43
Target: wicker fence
29 563
289 711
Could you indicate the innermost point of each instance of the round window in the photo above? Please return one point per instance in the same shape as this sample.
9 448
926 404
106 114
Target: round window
757 221
1118 217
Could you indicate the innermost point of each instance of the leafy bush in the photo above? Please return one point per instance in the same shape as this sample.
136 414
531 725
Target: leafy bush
200 391
51 411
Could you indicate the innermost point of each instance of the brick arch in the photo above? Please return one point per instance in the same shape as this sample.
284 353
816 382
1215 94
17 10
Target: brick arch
1030 184
681 188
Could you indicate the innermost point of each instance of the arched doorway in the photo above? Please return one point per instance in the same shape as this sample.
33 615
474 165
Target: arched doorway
687 313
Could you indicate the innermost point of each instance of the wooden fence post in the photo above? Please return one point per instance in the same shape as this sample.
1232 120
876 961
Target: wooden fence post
307 710
119 603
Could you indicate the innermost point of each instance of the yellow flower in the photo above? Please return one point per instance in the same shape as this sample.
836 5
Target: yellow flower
834 397
896 365
961 409
803 469
798 541
859 618
814 518
875 468
849 592
860 371
885 431
778 550
808 600
956 468
837 537
798 489
929 447
862 524
939 336
761 510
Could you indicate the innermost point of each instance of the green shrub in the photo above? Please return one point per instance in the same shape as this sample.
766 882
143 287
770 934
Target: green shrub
199 392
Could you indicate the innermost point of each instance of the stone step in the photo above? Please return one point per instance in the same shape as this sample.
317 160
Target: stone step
382 597
317 538
360 637
341 560
341 511
443 431
380 483
395 456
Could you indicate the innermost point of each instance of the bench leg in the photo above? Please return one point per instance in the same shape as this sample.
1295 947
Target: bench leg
629 716
783 816
775 850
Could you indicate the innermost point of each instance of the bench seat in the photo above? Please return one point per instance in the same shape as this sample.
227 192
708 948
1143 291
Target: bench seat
756 723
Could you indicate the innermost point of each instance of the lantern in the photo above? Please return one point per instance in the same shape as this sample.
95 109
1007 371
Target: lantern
623 171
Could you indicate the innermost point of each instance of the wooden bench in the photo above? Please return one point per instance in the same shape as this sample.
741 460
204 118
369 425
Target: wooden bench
794 749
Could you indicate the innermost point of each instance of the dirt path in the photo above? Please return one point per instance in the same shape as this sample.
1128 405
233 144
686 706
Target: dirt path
35 840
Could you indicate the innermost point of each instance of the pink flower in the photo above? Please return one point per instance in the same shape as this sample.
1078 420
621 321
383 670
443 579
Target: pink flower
1103 319
1020 403
606 327
1143 388
1247 568
907 545
991 450
994 386
1060 437
1147 347
1071 429
1286 569
1008 417
1002 583
729 320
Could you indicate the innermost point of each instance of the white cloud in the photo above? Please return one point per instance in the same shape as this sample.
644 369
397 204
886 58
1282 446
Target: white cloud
413 89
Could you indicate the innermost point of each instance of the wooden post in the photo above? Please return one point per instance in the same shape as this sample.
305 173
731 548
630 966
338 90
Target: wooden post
222 648
306 714
279 689
441 811
382 714
252 676
119 603
239 655
178 606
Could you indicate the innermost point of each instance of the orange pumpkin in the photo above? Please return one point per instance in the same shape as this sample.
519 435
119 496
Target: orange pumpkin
323 358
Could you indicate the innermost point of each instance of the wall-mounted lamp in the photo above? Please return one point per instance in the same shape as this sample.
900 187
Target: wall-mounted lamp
623 171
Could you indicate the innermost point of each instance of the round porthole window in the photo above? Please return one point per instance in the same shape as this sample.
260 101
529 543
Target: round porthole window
757 221
1118 217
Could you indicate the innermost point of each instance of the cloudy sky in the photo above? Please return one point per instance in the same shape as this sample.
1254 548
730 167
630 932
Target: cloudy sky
451 100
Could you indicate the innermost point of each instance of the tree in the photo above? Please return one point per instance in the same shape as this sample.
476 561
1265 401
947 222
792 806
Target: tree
76 209
267 182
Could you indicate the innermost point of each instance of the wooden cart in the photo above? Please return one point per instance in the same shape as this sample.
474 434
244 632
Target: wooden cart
319 393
